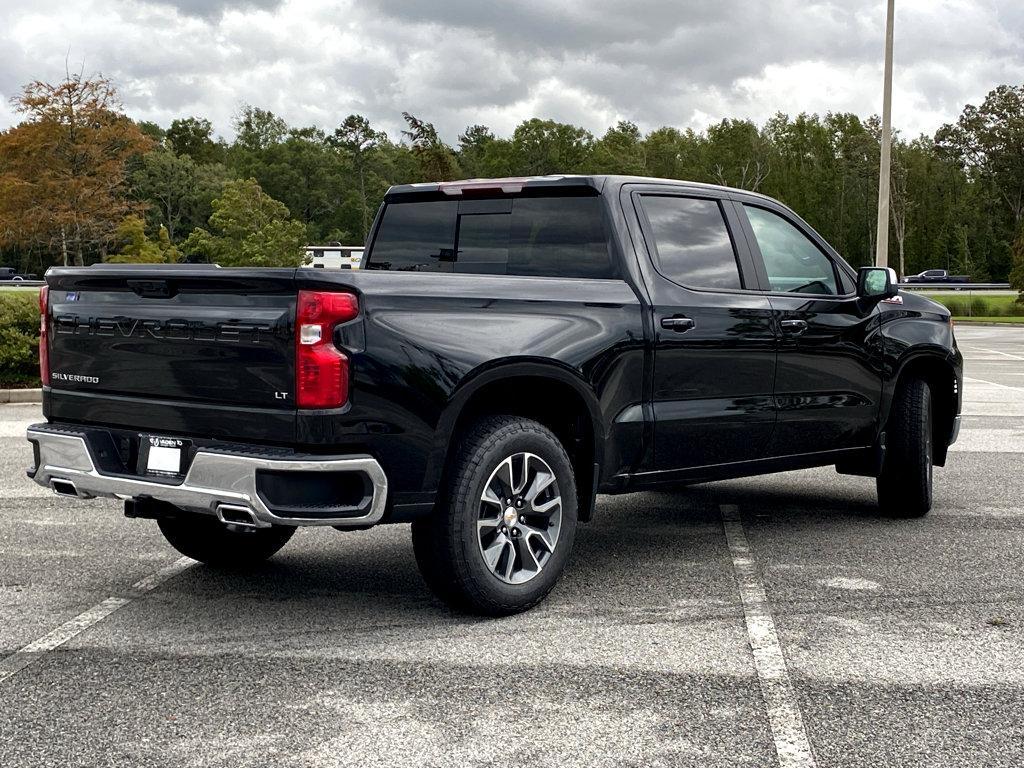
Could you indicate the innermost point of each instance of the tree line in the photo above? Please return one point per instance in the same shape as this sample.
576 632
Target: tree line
81 182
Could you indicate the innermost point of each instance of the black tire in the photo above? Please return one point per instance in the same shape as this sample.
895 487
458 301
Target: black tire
206 539
905 482
448 543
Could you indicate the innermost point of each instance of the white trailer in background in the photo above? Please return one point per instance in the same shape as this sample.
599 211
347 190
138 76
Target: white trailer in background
334 256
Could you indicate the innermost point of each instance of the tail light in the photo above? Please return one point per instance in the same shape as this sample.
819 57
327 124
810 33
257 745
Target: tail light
44 341
321 369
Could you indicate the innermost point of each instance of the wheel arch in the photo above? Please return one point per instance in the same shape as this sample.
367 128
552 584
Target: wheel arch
940 374
553 394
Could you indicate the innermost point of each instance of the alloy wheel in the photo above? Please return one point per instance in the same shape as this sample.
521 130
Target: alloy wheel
519 518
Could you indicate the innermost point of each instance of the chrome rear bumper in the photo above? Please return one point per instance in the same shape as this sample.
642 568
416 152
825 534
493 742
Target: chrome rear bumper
216 483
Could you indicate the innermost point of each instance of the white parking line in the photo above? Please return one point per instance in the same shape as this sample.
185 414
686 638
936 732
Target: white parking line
29 653
996 352
784 716
993 384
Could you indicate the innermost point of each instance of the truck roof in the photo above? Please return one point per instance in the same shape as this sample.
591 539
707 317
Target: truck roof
511 185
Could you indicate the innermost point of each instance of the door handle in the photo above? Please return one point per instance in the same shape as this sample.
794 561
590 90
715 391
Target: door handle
678 323
793 326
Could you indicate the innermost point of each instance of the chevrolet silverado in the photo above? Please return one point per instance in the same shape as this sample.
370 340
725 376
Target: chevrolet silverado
510 349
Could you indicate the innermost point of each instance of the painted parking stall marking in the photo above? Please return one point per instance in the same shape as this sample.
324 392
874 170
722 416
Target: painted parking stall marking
784 716
993 352
59 636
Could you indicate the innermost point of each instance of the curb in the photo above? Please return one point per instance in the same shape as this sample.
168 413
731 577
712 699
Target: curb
22 396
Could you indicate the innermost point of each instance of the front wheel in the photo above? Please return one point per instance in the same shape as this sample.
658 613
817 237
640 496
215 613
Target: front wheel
905 482
501 534
206 539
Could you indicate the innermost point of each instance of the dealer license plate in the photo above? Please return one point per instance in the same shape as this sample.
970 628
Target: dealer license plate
164 455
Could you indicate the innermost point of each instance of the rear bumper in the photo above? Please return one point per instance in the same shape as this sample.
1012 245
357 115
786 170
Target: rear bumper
217 482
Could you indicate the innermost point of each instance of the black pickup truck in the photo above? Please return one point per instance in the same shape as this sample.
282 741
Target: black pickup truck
937 276
509 350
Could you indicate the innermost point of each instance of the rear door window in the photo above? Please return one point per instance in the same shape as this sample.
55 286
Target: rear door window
692 245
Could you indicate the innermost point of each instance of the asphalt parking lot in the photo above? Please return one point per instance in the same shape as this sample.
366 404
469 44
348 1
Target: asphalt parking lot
776 619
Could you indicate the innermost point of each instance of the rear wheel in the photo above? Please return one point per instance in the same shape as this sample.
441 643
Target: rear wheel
501 534
905 482
206 539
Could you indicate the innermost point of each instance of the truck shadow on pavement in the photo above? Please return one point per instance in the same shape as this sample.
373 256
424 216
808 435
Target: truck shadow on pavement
758 496
637 548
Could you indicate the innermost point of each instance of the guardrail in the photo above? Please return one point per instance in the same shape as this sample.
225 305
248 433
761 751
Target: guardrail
955 286
21 283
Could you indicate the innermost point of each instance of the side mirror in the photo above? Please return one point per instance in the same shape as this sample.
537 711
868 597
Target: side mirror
877 283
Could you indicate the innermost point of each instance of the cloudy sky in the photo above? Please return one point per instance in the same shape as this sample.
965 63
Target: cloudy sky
458 62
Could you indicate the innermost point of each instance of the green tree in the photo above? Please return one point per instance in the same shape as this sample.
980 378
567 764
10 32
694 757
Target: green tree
901 202
548 147
1017 273
167 248
989 140
847 216
179 190
672 154
357 140
248 228
305 173
620 151
258 128
436 159
134 247
192 137
152 130
738 155
482 154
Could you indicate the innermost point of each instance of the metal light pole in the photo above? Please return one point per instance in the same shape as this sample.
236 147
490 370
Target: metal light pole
882 241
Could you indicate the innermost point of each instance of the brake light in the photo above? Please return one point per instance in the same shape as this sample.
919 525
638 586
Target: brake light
321 369
44 341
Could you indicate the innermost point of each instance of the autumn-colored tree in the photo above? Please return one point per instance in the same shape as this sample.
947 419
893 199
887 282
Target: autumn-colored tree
248 228
62 170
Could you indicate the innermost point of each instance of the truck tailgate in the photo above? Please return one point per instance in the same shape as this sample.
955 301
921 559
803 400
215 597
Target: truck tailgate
195 334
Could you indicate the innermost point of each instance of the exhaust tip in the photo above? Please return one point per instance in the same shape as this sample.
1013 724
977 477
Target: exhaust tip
236 515
64 488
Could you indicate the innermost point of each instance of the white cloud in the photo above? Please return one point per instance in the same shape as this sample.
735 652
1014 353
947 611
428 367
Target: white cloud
460 62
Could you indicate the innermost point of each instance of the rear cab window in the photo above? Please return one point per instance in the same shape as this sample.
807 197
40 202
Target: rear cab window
545 236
